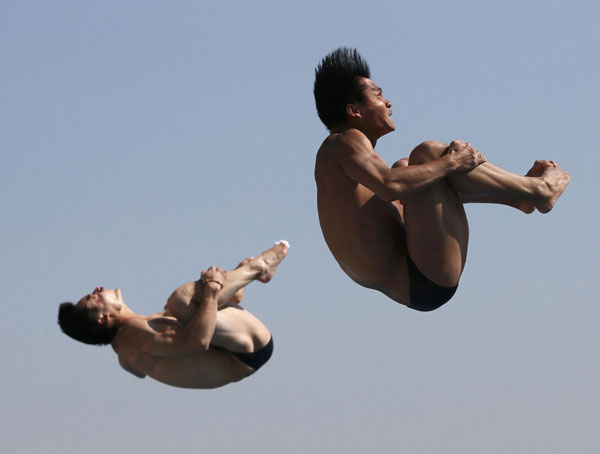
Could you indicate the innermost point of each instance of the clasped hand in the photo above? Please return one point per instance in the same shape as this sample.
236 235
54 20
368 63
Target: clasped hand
464 155
214 274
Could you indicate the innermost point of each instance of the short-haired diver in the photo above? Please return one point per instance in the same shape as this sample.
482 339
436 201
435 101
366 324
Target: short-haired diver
202 338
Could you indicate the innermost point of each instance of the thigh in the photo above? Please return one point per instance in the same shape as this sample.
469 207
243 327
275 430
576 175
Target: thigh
437 233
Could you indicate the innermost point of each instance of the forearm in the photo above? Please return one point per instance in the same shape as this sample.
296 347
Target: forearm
194 337
200 329
404 182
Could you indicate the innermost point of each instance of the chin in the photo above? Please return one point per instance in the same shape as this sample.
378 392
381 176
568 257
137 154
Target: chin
389 129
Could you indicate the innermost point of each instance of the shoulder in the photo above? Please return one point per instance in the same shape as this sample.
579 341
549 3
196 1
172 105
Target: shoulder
131 335
126 344
340 144
350 138
146 338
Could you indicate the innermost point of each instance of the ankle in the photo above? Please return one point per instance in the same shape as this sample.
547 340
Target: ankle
539 188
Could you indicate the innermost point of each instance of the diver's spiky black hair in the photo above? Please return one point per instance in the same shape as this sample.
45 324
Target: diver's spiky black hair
336 84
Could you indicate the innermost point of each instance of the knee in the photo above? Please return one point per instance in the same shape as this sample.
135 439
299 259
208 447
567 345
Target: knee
400 163
427 151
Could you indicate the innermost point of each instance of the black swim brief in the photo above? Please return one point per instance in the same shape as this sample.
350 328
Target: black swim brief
426 295
258 358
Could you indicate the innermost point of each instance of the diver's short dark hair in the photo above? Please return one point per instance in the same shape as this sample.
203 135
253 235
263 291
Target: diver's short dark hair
81 324
336 84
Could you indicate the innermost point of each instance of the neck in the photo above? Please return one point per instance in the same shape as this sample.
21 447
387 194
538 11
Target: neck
124 313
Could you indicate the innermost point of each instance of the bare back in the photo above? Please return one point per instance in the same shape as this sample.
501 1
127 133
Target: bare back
364 232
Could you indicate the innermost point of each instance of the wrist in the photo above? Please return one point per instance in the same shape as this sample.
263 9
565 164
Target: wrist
451 162
213 284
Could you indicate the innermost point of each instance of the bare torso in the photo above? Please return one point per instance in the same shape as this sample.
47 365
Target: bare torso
211 369
364 233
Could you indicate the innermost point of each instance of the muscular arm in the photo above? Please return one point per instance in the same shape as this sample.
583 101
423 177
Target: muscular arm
195 337
362 164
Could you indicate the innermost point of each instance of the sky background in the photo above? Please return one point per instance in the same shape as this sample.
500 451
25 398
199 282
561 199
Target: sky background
144 141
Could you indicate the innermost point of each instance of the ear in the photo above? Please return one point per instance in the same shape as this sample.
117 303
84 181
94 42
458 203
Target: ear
352 111
103 318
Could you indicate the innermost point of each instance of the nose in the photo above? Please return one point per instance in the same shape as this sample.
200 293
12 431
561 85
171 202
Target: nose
98 289
388 104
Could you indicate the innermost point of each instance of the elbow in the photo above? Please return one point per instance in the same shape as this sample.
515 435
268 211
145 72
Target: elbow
392 191
202 346
194 344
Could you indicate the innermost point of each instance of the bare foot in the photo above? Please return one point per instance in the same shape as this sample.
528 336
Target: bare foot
538 168
555 178
267 262
536 171
525 207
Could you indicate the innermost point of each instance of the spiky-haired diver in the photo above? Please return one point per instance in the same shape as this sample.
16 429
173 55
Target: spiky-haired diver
403 230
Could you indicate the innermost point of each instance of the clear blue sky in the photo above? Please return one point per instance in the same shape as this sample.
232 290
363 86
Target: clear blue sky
144 141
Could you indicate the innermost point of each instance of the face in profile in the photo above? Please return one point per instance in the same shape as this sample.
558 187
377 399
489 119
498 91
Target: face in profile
107 303
375 110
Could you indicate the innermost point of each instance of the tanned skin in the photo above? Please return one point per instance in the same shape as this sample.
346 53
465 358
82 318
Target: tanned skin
190 344
373 216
